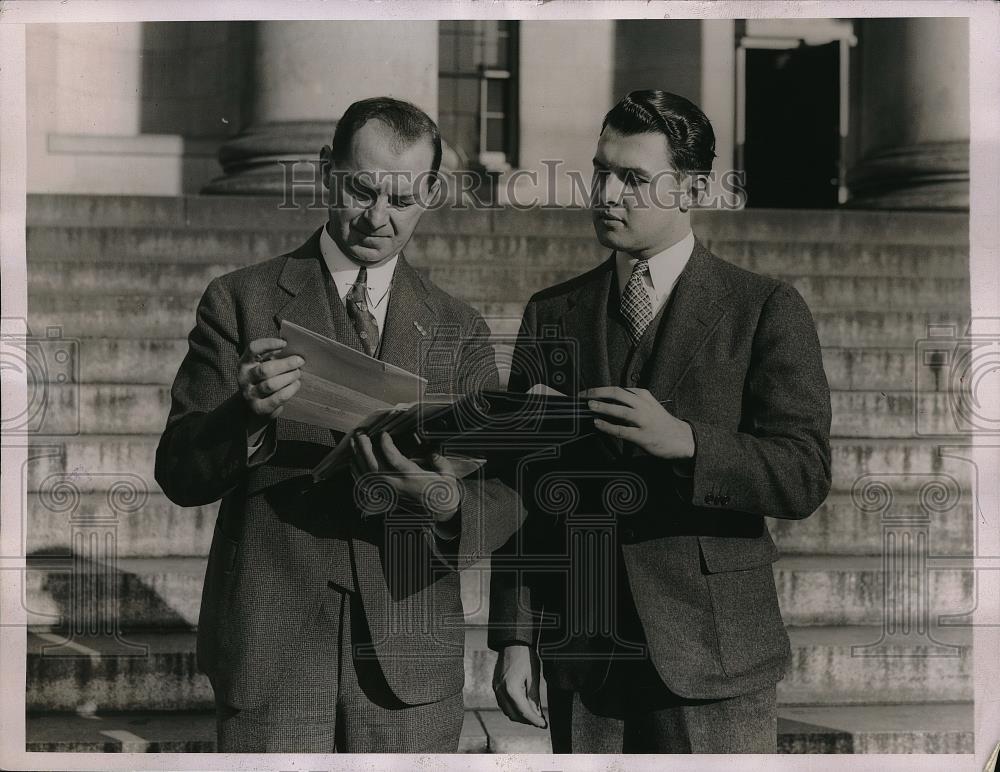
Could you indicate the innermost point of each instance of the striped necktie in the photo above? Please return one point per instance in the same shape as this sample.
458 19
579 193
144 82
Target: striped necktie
357 309
636 307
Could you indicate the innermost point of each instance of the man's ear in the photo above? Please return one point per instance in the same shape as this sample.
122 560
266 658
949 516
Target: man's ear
694 187
325 165
434 187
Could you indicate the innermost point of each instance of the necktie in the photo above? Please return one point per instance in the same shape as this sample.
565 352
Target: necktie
636 306
357 309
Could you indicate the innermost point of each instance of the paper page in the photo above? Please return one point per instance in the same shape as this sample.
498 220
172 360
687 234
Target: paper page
342 365
329 405
545 391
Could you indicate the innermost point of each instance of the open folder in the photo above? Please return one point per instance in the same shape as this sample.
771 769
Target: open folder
348 391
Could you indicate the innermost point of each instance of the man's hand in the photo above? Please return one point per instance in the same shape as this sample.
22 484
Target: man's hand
515 684
637 417
436 488
266 381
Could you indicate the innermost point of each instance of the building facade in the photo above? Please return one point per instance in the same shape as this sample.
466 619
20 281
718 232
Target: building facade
816 112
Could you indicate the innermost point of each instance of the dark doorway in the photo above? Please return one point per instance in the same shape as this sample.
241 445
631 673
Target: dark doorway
792 117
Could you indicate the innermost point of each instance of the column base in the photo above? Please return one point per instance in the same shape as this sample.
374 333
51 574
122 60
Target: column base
275 159
930 176
259 162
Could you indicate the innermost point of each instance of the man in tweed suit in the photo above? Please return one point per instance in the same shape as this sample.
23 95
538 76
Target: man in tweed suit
662 631
321 629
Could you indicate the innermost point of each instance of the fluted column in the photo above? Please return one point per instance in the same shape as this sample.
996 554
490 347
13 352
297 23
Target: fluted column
914 115
305 75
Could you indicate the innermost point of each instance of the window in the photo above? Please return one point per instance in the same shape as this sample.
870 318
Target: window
477 91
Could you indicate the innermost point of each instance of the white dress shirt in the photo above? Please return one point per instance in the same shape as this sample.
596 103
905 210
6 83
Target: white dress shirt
345 273
664 269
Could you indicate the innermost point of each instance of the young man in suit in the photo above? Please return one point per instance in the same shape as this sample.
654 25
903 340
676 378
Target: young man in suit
658 626
321 629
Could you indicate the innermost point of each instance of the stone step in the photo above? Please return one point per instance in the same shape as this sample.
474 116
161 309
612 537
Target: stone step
521 246
154 593
157 671
830 666
946 728
100 462
173 316
174 732
849 590
155 361
91 408
498 281
160 528
235 212
142 409
165 592
842 526
150 526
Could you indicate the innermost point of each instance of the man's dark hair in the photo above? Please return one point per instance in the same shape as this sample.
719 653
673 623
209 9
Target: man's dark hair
690 139
407 122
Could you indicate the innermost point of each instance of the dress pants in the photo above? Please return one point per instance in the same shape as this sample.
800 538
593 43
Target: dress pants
327 700
633 711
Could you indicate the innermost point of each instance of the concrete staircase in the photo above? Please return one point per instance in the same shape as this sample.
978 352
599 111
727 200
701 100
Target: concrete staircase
113 284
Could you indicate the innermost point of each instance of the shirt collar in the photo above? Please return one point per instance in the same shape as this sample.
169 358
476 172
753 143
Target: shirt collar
664 267
344 270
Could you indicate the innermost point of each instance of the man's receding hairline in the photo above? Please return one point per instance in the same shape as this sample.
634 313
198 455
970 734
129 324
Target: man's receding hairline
399 142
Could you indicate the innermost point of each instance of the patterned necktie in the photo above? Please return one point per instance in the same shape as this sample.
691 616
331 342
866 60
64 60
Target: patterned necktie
357 309
636 306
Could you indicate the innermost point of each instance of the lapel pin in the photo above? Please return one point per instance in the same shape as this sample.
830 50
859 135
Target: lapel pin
420 329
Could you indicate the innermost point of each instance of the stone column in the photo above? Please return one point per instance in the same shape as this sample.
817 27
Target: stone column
306 73
913 143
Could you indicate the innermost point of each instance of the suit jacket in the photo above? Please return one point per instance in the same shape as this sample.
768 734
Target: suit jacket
736 356
278 535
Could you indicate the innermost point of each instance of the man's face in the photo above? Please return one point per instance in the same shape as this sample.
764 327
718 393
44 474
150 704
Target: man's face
636 194
379 191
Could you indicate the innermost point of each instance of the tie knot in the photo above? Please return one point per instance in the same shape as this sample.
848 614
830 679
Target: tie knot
362 275
641 267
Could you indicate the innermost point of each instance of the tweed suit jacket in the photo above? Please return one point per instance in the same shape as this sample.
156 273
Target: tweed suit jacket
276 532
737 357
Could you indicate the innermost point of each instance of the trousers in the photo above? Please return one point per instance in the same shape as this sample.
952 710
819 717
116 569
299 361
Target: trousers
328 699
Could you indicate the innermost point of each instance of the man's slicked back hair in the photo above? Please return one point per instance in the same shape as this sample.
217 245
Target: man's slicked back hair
690 139
407 122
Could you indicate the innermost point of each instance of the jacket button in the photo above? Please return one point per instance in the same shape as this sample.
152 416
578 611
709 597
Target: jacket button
724 500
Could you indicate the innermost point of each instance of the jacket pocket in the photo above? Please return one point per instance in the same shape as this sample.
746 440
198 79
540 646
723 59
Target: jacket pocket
751 633
720 554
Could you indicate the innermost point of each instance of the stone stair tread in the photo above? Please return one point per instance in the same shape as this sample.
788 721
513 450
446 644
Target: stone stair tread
954 717
841 636
233 212
182 641
491 731
164 641
162 732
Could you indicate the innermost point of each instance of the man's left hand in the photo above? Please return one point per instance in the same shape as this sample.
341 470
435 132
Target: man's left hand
435 488
634 415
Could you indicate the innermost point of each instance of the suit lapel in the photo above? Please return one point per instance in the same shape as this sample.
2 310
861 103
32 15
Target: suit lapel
694 312
303 279
585 322
410 320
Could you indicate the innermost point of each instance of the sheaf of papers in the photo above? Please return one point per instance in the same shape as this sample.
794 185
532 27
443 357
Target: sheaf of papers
340 386
348 391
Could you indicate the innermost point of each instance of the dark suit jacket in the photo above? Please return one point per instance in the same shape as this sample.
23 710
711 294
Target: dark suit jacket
277 534
738 358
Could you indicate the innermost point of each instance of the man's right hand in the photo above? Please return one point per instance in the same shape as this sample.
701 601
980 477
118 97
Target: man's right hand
267 381
515 684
